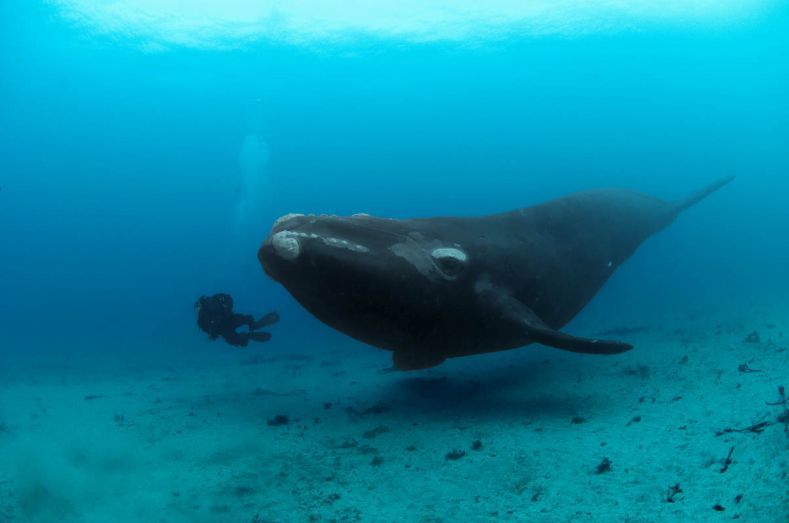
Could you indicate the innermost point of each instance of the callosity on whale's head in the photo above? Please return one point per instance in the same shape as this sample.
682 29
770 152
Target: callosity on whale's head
379 280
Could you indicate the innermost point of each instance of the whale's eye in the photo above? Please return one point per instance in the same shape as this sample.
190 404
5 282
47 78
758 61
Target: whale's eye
450 261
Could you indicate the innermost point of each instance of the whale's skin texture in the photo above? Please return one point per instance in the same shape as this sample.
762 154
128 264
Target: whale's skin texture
428 289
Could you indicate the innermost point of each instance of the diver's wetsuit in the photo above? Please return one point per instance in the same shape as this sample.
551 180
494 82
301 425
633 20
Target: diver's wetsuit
216 318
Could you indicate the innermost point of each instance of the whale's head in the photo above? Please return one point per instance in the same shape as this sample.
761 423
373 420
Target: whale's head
385 282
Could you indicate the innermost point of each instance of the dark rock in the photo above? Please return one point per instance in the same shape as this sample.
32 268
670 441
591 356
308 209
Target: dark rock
349 444
634 419
279 419
455 455
367 449
378 408
603 466
674 491
642 371
743 367
372 433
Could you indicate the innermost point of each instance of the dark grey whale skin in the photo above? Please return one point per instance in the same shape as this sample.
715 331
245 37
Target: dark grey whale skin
404 285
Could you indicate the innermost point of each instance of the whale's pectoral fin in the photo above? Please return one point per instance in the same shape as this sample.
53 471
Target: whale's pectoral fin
537 330
541 333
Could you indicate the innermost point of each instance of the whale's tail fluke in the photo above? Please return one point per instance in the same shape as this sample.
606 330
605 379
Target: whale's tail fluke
700 195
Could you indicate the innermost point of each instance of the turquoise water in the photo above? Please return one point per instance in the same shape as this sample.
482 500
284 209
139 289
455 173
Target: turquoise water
146 149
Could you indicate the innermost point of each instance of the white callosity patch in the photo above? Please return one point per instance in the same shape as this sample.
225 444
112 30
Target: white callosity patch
450 261
286 245
449 252
344 244
159 24
282 219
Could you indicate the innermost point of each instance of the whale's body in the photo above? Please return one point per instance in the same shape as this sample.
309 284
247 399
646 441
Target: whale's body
435 288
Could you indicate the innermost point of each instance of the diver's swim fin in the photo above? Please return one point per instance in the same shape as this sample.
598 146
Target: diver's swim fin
260 336
269 319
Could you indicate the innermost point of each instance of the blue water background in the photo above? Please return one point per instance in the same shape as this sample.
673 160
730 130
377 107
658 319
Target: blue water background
119 167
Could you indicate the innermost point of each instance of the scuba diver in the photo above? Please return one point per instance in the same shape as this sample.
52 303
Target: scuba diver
216 318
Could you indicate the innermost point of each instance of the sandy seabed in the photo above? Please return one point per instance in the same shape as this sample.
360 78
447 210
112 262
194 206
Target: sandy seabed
332 434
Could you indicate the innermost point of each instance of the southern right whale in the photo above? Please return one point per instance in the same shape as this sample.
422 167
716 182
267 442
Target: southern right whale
435 288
